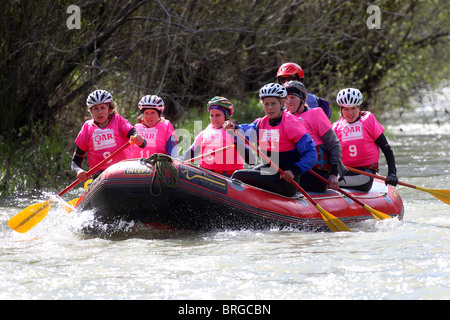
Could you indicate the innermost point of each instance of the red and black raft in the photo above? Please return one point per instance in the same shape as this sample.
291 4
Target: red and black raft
185 197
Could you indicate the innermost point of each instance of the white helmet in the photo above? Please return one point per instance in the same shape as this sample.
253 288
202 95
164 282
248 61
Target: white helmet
98 97
151 101
273 90
349 97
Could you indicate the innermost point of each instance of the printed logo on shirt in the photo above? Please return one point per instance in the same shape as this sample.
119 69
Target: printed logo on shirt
103 139
270 140
150 135
212 140
352 131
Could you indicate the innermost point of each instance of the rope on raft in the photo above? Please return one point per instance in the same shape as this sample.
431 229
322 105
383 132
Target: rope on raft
164 169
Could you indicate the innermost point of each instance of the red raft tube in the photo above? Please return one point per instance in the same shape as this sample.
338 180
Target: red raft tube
181 196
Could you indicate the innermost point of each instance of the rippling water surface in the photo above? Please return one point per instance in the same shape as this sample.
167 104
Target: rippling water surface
392 259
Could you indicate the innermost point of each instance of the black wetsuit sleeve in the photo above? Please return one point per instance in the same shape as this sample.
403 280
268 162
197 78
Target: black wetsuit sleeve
383 144
131 133
77 159
331 141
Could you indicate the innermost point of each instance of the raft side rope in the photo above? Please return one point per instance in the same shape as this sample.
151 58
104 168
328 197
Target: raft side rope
164 169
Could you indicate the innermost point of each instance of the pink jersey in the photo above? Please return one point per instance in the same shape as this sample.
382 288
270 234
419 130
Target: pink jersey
316 123
212 139
100 143
282 137
358 140
156 136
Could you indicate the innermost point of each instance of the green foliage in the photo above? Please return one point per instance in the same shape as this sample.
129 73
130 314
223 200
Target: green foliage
41 161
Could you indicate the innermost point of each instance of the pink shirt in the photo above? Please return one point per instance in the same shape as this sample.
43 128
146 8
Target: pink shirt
316 123
282 137
156 136
212 139
100 143
358 140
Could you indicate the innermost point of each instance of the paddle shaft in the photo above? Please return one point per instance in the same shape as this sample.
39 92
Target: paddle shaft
95 168
443 195
318 176
210 153
379 177
377 214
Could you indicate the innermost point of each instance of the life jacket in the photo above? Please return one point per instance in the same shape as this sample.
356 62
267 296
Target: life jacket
358 141
156 137
323 160
100 143
212 139
317 124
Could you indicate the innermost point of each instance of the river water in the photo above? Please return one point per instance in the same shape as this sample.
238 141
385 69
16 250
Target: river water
391 260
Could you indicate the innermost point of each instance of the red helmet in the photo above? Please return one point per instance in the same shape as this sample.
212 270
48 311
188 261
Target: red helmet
290 69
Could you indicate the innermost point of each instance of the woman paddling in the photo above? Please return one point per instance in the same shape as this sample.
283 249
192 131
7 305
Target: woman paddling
284 139
100 136
361 137
317 124
156 130
214 137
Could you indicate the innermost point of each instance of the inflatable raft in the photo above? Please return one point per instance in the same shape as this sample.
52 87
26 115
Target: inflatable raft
178 195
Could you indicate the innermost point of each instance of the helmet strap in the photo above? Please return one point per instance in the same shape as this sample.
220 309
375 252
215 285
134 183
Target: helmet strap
300 105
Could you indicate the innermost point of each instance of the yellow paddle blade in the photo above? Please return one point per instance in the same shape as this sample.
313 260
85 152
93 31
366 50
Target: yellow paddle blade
377 214
86 183
29 217
69 206
333 223
443 195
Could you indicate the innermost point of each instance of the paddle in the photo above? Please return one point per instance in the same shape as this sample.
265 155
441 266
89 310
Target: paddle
333 223
377 214
69 206
210 153
25 220
441 194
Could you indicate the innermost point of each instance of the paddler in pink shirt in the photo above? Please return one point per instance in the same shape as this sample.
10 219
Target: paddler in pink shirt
328 147
361 137
214 137
102 135
284 139
156 130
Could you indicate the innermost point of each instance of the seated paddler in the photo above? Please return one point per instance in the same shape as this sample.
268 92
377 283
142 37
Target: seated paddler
285 141
223 153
